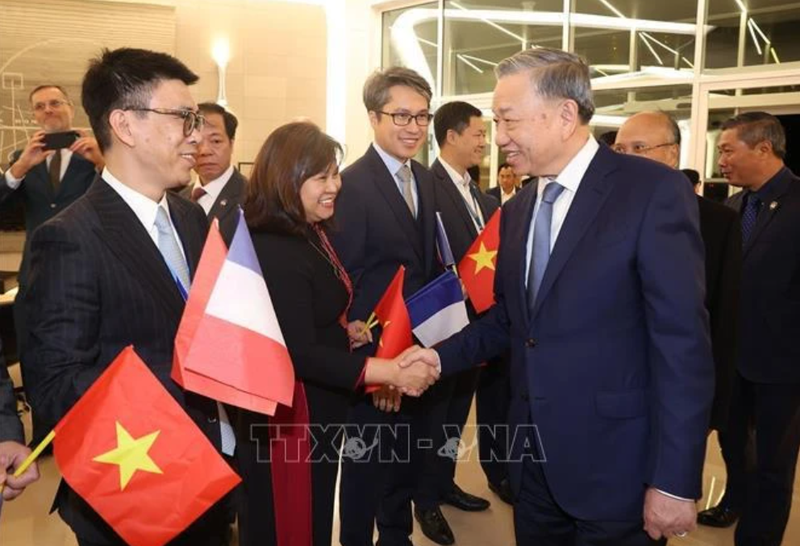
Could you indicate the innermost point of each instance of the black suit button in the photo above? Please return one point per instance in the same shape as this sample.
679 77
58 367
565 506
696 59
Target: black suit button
52 205
530 343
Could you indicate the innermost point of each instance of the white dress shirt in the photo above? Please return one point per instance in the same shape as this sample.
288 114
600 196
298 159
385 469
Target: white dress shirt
463 185
506 196
66 155
212 189
570 178
394 165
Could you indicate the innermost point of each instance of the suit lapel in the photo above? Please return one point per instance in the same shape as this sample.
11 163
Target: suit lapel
449 188
191 238
228 198
131 244
591 195
518 231
768 211
426 214
384 180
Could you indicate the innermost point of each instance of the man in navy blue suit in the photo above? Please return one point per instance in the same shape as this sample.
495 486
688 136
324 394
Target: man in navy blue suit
762 437
611 369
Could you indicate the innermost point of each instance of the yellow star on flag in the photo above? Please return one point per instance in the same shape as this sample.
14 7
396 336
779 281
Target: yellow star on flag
483 258
384 325
131 455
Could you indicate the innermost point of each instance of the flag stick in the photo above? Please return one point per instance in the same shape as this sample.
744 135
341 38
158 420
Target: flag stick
371 322
32 457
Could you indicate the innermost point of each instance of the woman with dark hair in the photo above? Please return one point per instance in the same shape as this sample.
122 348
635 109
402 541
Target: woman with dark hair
290 201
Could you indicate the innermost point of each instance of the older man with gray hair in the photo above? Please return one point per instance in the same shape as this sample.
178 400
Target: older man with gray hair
611 371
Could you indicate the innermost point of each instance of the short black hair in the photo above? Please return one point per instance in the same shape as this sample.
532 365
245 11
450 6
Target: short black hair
608 138
125 78
48 86
692 175
503 166
231 123
454 115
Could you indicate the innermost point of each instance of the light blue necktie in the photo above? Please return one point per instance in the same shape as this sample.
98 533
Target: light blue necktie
540 250
171 252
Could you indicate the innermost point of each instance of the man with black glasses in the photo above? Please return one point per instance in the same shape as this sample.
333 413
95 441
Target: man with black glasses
115 268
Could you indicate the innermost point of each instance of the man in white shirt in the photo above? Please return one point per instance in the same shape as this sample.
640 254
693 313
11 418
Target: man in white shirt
611 369
115 268
507 184
220 187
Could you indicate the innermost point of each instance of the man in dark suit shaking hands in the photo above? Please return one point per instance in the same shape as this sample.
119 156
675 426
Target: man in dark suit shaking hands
611 368
385 216
115 268
760 444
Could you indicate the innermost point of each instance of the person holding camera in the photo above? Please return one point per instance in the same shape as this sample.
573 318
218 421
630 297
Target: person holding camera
55 168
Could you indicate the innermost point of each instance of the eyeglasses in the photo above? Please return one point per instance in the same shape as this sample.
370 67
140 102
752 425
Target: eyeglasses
191 120
639 149
401 119
54 104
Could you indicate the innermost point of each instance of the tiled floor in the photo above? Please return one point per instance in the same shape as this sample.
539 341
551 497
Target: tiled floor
25 522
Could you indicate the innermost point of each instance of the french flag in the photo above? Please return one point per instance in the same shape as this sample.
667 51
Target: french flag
438 310
229 345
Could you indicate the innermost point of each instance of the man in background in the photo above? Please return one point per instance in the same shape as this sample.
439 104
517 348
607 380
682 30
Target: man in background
656 135
461 136
47 182
507 184
220 187
761 441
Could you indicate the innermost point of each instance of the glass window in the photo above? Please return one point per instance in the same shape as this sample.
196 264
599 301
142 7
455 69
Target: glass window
479 34
752 32
410 39
629 36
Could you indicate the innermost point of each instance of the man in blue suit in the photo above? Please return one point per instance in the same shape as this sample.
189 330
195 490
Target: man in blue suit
762 438
611 369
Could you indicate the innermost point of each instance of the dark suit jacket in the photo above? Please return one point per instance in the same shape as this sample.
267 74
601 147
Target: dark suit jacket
456 217
97 284
722 237
495 192
227 204
38 198
769 319
375 232
613 365
10 425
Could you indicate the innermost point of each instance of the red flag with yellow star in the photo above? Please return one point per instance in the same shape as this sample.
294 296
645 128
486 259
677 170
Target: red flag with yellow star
134 455
395 323
477 267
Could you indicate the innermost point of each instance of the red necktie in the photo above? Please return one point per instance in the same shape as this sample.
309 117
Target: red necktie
197 193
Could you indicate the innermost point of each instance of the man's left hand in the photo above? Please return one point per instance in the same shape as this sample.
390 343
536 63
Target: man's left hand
665 517
87 147
12 455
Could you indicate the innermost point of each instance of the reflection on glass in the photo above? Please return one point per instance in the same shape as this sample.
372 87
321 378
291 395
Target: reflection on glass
478 35
629 36
752 32
410 39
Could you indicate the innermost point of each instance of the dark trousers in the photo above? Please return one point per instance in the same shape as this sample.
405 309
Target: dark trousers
381 458
446 413
492 399
539 521
760 449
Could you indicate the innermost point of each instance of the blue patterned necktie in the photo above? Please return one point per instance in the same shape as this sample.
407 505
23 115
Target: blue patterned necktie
749 216
168 246
540 249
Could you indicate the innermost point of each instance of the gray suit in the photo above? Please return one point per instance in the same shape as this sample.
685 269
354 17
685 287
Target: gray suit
225 207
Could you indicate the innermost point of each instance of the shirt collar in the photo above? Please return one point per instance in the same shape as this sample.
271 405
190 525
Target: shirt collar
573 173
392 163
457 178
144 207
214 188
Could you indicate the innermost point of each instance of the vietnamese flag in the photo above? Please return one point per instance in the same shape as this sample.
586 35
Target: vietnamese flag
134 455
477 267
392 315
